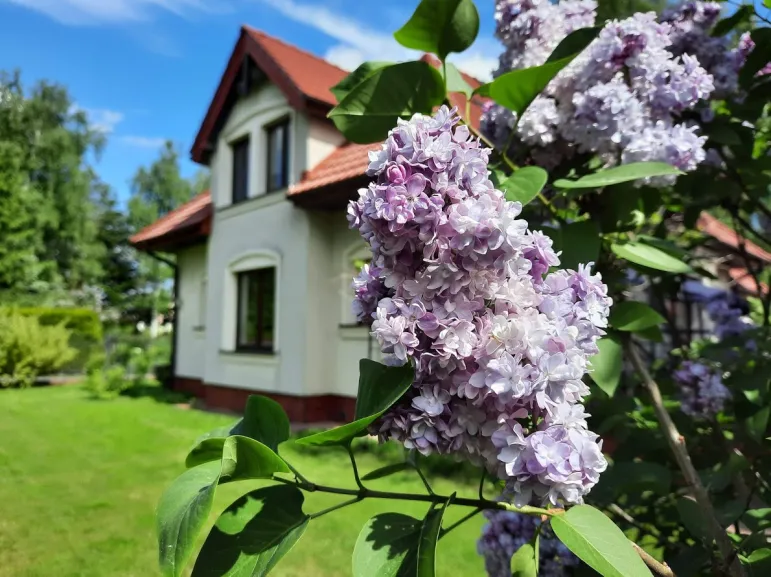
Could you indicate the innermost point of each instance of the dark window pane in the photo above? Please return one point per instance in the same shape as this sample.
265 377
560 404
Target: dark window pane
256 309
240 170
278 156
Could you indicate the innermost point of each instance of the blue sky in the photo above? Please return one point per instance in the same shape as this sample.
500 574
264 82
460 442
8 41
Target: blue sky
145 70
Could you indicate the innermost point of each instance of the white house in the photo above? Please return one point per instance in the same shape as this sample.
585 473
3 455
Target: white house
265 259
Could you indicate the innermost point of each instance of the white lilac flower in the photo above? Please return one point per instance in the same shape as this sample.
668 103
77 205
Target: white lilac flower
506 531
500 345
702 392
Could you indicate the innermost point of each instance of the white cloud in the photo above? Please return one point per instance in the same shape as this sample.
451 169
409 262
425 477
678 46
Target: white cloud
143 141
83 12
360 42
101 119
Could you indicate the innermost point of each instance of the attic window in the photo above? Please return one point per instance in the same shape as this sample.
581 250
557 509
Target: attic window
278 155
240 170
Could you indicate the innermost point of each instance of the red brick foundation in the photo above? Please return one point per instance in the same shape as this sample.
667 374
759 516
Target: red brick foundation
311 409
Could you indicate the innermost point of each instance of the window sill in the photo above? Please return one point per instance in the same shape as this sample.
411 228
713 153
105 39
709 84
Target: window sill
253 203
353 332
199 329
255 357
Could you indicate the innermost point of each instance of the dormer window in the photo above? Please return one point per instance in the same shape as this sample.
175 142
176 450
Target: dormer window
240 150
278 155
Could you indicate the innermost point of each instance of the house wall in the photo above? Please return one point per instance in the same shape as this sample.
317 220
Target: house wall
191 311
323 139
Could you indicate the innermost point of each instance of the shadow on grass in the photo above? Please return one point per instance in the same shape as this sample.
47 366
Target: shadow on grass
157 392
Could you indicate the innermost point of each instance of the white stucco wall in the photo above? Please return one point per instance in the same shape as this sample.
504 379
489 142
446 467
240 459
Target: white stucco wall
323 139
191 311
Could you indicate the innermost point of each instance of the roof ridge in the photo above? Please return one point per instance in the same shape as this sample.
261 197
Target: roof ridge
259 32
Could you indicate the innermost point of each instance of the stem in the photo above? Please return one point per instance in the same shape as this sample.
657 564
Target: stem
423 478
482 486
460 521
677 445
355 468
616 510
659 569
323 512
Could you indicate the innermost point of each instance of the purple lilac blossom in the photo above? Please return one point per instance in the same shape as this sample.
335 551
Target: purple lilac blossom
624 96
499 337
506 531
702 392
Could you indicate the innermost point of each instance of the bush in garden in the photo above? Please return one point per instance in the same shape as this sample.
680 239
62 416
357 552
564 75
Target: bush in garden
499 339
107 383
29 349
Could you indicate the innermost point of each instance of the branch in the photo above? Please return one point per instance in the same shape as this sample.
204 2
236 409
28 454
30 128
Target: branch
677 445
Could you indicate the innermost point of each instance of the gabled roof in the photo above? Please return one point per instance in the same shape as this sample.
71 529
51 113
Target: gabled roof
723 233
303 78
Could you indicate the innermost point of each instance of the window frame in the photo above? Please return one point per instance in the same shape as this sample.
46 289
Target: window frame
257 348
285 123
234 145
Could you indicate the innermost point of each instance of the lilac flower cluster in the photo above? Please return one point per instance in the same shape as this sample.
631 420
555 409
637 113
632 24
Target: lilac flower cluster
460 288
728 313
702 392
505 532
624 96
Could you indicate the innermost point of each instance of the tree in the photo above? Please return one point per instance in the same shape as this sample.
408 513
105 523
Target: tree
156 191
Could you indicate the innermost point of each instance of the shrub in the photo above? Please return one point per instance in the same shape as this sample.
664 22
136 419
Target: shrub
84 325
29 349
107 383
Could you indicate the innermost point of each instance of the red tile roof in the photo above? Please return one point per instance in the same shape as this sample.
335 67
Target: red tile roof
711 226
744 279
344 163
194 214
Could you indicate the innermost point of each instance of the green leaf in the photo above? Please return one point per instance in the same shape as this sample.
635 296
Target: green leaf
619 174
371 108
245 458
253 533
429 535
596 540
379 388
742 14
455 81
608 364
651 334
756 424
757 519
633 316
650 257
525 184
440 27
759 562
524 563
386 471
580 243
693 519
517 89
387 547
206 450
356 77
574 43
182 513
264 421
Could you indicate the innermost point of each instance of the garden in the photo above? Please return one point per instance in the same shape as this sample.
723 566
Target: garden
573 307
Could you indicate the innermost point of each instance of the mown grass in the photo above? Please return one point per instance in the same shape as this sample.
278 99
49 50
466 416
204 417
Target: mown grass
80 479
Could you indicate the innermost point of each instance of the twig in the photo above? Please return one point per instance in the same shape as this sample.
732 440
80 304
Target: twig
460 521
660 569
677 445
616 510
355 468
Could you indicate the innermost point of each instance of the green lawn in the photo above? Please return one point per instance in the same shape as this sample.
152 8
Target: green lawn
80 479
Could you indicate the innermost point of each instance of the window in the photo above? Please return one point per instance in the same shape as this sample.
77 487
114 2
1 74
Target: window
240 170
278 156
256 310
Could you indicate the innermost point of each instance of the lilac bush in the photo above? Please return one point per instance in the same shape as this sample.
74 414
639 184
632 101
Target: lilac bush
702 392
500 339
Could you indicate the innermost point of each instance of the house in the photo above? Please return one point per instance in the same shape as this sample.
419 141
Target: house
265 258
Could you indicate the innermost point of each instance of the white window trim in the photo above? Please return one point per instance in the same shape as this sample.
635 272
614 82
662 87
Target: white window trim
246 261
